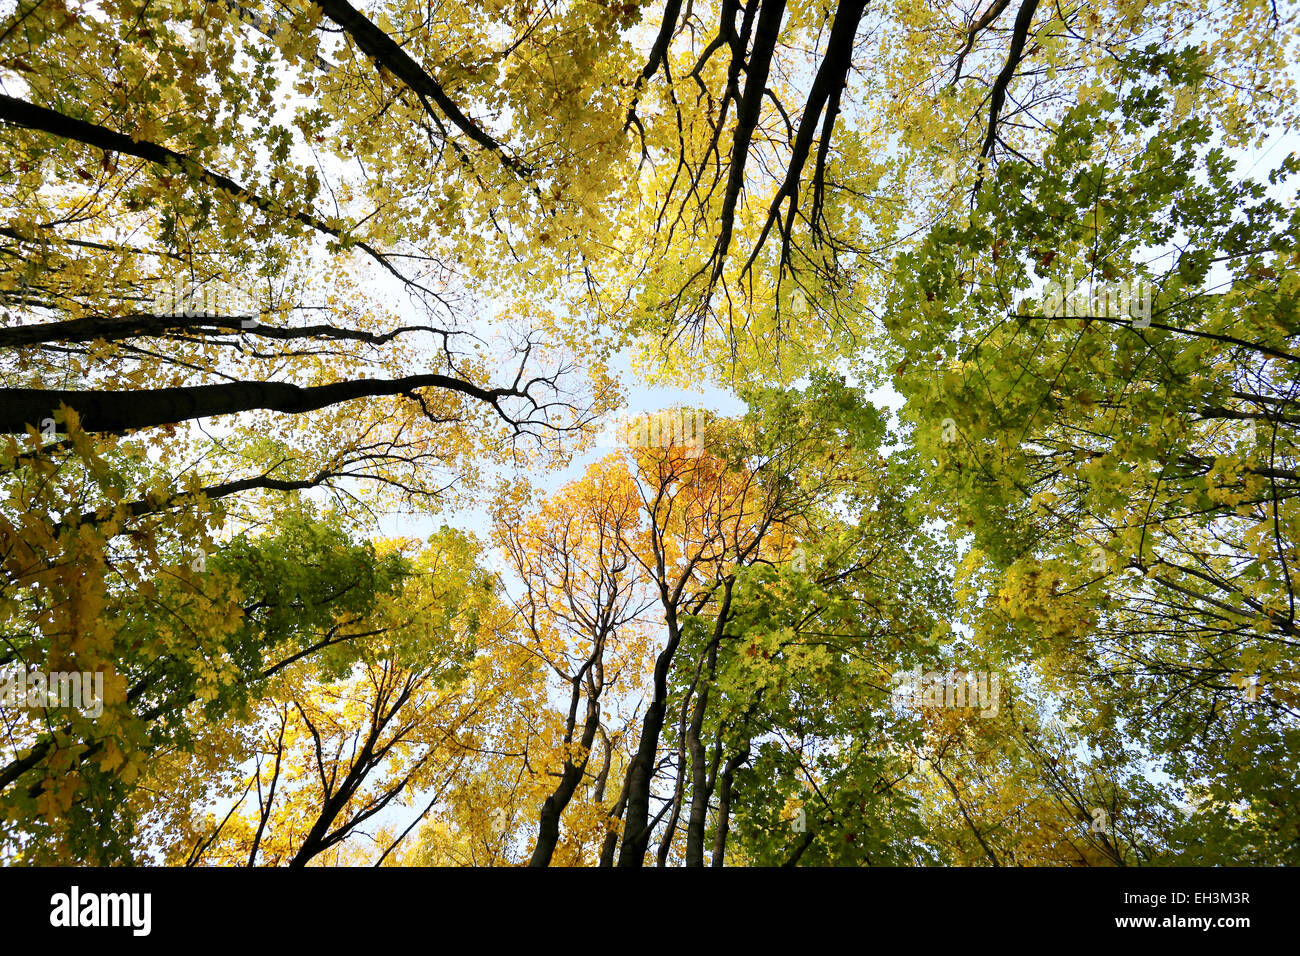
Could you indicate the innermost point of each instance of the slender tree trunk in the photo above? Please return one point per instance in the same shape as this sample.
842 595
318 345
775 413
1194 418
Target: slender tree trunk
611 838
700 790
636 833
702 779
679 788
42 119
548 829
598 790
724 803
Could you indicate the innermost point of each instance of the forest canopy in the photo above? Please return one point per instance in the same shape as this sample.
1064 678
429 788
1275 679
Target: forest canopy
585 433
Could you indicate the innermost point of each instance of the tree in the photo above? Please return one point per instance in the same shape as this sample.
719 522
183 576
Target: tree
697 542
1089 439
277 279
581 608
183 637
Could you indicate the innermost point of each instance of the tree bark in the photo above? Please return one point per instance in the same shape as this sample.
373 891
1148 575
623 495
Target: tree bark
548 830
113 411
700 790
724 803
147 325
636 834
611 838
388 55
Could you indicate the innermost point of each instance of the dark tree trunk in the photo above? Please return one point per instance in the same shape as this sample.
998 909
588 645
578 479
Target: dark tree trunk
724 803
702 779
105 411
548 830
636 832
147 325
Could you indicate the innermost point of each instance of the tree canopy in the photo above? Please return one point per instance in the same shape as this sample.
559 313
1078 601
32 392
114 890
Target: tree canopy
353 457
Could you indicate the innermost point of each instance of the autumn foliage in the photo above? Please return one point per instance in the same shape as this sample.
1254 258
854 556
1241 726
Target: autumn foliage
571 433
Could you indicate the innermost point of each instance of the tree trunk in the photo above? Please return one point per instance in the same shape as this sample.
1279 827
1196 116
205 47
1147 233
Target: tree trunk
548 829
700 790
724 803
636 833
701 779
611 838
112 411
